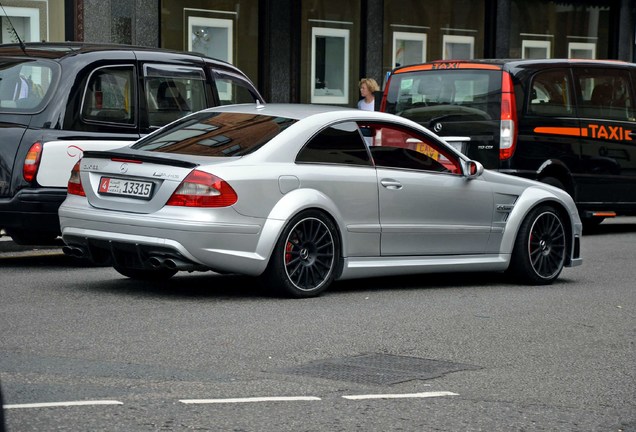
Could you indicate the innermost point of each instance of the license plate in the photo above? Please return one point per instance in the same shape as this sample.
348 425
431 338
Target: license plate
124 187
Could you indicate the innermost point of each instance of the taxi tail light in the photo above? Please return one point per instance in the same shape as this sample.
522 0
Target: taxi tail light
201 189
75 182
32 162
508 129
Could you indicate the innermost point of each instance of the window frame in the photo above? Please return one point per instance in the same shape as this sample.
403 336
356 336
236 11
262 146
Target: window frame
429 141
134 97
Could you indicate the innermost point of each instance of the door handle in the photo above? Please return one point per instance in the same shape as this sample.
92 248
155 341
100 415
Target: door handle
391 184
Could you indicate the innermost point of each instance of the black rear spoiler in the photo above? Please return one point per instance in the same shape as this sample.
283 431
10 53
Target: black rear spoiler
168 159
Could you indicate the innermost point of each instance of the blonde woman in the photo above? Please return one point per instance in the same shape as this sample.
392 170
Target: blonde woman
368 87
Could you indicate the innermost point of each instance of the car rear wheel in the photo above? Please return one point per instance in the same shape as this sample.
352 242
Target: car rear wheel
304 259
146 274
541 247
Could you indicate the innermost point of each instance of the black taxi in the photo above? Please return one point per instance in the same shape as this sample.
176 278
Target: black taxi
59 100
569 123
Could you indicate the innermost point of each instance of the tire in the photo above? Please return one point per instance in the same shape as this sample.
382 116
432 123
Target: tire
540 250
145 274
305 256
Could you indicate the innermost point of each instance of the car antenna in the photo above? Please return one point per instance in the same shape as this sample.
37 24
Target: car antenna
15 32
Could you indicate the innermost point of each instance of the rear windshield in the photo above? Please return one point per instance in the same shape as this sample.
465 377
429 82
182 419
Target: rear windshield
449 95
25 84
215 134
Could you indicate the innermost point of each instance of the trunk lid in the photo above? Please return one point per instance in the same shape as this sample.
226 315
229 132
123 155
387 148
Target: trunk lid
137 183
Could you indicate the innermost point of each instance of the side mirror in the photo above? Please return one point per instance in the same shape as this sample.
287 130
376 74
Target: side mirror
474 169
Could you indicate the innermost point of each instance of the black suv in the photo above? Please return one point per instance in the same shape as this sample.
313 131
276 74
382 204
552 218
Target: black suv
569 123
59 100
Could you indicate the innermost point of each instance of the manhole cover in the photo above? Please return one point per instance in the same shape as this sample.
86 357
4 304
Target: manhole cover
378 369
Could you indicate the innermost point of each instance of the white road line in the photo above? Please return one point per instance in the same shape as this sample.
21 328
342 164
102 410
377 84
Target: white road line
62 404
402 396
251 399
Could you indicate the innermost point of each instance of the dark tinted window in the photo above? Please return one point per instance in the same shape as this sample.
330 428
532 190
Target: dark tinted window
551 94
173 92
605 94
233 89
395 147
110 96
339 144
26 84
216 134
454 95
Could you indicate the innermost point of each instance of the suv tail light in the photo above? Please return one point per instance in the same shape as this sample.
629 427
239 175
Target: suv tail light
32 162
200 189
75 182
508 129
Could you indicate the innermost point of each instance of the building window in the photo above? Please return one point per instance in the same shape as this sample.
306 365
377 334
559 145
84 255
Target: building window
535 49
221 29
330 52
445 30
459 47
26 22
212 37
581 50
546 29
408 48
330 65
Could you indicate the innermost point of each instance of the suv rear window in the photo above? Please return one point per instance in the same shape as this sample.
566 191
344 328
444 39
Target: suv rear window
215 134
25 84
461 95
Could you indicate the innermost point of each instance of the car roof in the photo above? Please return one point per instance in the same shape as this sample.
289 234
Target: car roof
60 50
302 111
509 64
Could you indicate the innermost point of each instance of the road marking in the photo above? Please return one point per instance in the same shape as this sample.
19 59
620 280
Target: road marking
251 399
401 396
62 404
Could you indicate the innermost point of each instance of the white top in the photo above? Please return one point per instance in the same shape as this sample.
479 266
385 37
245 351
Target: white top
366 106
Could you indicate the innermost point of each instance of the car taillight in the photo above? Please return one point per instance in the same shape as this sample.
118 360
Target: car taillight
75 182
32 162
200 189
508 129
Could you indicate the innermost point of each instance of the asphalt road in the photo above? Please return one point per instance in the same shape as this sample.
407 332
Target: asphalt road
84 349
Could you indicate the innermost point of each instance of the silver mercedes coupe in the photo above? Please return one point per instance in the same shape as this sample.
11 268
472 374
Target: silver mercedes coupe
302 195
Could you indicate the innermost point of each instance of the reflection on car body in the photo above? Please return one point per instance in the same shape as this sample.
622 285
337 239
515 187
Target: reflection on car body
301 195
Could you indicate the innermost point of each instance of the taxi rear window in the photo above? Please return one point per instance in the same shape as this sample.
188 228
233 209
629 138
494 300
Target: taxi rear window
26 84
450 95
215 134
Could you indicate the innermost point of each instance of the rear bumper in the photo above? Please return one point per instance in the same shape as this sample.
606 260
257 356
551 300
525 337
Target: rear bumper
33 209
241 246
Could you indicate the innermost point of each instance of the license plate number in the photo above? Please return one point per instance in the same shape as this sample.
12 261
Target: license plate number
123 187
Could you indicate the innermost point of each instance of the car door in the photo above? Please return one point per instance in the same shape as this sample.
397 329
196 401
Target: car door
427 207
608 144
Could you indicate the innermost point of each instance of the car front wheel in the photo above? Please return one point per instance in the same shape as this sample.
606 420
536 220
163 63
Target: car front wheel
540 250
304 259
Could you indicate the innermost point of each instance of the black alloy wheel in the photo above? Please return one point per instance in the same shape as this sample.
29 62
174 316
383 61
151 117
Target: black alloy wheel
305 257
540 251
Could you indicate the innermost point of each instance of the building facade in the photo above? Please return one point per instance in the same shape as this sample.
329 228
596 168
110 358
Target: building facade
315 51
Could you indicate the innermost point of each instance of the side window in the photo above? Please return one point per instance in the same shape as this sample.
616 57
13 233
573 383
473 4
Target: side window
233 89
393 147
338 144
24 84
605 94
550 94
173 92
109 96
